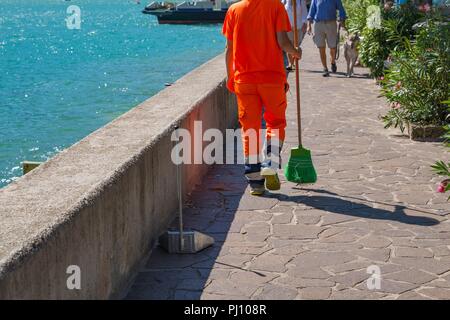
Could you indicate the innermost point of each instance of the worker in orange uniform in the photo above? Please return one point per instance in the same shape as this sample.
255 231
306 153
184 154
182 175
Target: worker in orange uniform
256 32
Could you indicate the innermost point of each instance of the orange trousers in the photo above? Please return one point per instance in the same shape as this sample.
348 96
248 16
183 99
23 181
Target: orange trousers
251 98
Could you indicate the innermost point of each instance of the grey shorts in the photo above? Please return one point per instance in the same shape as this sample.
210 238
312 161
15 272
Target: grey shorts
325 30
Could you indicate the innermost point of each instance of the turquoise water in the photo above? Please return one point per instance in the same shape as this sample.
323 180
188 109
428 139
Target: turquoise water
57 85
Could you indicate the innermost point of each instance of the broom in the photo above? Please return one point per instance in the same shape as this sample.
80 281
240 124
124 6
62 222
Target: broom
299 168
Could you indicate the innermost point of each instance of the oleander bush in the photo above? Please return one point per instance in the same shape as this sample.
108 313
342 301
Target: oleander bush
416 82
373 50
409 51
378 44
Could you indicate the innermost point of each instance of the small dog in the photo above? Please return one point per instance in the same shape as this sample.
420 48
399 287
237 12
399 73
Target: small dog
351 51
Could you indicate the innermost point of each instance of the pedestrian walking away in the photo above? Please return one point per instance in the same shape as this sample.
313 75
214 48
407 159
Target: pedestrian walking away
323 14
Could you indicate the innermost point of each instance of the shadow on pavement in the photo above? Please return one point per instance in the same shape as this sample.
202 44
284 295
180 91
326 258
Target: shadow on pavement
219 207
332 203
340 74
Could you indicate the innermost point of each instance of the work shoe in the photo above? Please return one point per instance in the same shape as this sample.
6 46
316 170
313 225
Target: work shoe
333 67
326 73
272 180
272 162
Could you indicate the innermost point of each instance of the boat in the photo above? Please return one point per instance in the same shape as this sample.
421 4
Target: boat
153 6
209 11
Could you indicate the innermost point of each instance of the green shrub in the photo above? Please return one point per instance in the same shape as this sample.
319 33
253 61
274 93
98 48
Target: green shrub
378 44
416 83
373 50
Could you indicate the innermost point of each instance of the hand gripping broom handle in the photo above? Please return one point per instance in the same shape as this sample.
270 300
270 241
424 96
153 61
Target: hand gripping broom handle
297 77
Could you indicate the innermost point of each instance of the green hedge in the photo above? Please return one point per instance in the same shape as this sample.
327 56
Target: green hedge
416 83
409 51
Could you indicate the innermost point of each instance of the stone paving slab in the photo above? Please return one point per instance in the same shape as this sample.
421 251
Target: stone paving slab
374 204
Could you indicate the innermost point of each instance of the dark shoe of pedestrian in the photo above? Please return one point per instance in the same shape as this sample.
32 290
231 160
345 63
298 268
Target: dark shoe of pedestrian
257 189
333 67
289 68
326 73
254 179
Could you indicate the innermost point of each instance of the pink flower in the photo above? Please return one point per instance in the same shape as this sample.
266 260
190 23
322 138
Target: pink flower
395 105
398 85
424 7
381 78
442 186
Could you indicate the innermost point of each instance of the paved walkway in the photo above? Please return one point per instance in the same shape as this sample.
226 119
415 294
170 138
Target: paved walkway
374 204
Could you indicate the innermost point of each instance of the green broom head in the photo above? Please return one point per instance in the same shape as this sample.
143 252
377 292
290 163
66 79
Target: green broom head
300 168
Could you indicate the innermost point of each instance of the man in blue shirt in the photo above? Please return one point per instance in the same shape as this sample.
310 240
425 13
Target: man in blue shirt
323 13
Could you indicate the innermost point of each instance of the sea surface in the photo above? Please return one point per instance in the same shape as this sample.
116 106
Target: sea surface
59 83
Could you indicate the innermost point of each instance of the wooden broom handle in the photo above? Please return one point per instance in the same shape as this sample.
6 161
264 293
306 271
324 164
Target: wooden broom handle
297 76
